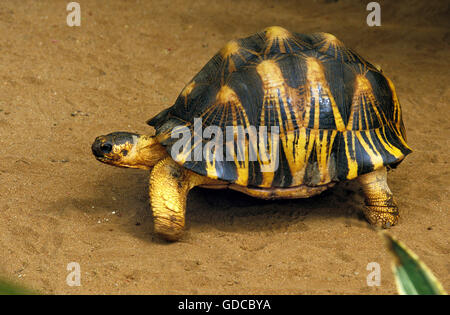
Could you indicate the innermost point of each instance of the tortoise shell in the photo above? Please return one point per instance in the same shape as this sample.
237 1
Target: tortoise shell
338 117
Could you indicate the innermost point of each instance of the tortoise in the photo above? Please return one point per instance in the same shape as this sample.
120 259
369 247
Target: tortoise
327 116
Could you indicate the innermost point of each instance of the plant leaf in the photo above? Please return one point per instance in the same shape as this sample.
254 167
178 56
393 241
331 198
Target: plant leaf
8 288
412 276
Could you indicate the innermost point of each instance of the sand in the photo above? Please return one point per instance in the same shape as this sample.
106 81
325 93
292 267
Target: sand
62 86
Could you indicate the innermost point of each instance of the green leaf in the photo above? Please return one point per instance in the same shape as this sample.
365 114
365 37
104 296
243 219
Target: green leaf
412 276
8 288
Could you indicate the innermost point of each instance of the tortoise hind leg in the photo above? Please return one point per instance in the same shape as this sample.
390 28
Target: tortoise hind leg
380 206
169 186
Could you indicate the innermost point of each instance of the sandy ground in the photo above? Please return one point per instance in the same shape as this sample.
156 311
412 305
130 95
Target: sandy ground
60 87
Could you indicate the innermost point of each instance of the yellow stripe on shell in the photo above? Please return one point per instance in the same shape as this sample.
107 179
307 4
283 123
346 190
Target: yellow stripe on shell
297 147
330 41
388 146
277 33
323 148
186 91
375 157
363 95
231 48
375 151
315 76
211 166
399 129
228 97
351 162
275 89
323 153
322 158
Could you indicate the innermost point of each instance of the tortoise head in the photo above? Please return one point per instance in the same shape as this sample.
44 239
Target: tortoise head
125 149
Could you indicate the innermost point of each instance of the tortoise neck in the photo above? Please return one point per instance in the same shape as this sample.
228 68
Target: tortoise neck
147 152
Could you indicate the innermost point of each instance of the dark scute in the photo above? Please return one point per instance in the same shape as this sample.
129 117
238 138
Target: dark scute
253 42
304 38
341 81
283 176
247 84
382 93
160 118
342 167
210 72
294 70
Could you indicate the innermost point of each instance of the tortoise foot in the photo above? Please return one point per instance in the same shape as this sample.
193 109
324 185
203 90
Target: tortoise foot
381 209
384 217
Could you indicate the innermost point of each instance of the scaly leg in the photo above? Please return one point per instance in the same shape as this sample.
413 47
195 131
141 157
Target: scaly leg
380 207
169 186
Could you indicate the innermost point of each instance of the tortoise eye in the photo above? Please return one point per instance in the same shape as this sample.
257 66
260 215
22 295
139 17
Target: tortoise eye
106 147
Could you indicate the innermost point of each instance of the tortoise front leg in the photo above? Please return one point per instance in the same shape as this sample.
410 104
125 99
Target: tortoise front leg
169 186
380 205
